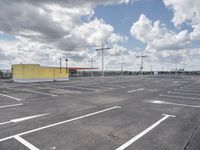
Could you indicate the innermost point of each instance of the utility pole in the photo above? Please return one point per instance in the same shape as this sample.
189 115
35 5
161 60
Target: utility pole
92 63
151 69
122 68
142 62
176 65
107 70
102 55
184 64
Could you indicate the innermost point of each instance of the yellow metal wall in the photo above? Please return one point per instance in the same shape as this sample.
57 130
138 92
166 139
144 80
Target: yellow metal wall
46 72
17 71
60 73
33 72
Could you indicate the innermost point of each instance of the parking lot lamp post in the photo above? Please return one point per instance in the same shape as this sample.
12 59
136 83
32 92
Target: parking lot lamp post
67 67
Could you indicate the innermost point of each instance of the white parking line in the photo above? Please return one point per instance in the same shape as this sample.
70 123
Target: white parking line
136 90
59 123
131 141
67 91
23 119
195 98
183 90
170 103
183 93
26 143
18 99
76 86
189 88
40 92
14 105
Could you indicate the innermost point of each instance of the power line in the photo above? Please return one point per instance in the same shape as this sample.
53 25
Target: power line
102 55
142 62
92 63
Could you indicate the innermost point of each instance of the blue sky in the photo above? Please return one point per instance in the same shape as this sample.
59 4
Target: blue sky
122 17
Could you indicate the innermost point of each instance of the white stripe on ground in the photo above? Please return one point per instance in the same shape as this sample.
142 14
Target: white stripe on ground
59 123
170 103
23 119
135 90
76 86
183 90
189 89
39 92
195 98
131 141
184 93
18 99
26 143
27 118
13 105
69 91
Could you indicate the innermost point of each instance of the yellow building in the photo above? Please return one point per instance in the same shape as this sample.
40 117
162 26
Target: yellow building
36 73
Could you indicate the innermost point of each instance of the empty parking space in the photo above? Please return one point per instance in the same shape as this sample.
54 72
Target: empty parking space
110 134
114 113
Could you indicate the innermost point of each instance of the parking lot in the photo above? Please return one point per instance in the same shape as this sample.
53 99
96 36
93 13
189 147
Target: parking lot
110 113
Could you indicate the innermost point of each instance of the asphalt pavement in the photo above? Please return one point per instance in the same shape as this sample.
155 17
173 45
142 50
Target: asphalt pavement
96 113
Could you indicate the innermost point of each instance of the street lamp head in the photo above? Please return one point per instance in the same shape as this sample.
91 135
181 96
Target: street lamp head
66 59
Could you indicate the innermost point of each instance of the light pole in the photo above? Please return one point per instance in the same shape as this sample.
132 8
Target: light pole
102 55
142 62
151 69
92 63
107 72
184 64
121 68
67 67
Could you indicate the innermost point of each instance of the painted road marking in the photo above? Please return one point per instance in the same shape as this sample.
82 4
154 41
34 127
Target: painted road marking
23 119
78 87
170 103
39 92
59 123
131 141
68 91
189 88
14 105
195 98
18 99
183 93
136 90
26 143
183 90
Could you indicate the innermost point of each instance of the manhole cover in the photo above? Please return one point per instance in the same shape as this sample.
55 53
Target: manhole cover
112 136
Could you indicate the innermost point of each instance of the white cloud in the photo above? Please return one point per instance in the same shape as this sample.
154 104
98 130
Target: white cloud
186 11
48 30
166 48
157 36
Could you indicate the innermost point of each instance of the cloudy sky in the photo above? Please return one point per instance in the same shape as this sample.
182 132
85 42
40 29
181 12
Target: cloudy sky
42 31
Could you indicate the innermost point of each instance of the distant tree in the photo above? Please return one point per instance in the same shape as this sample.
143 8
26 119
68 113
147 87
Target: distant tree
1 73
